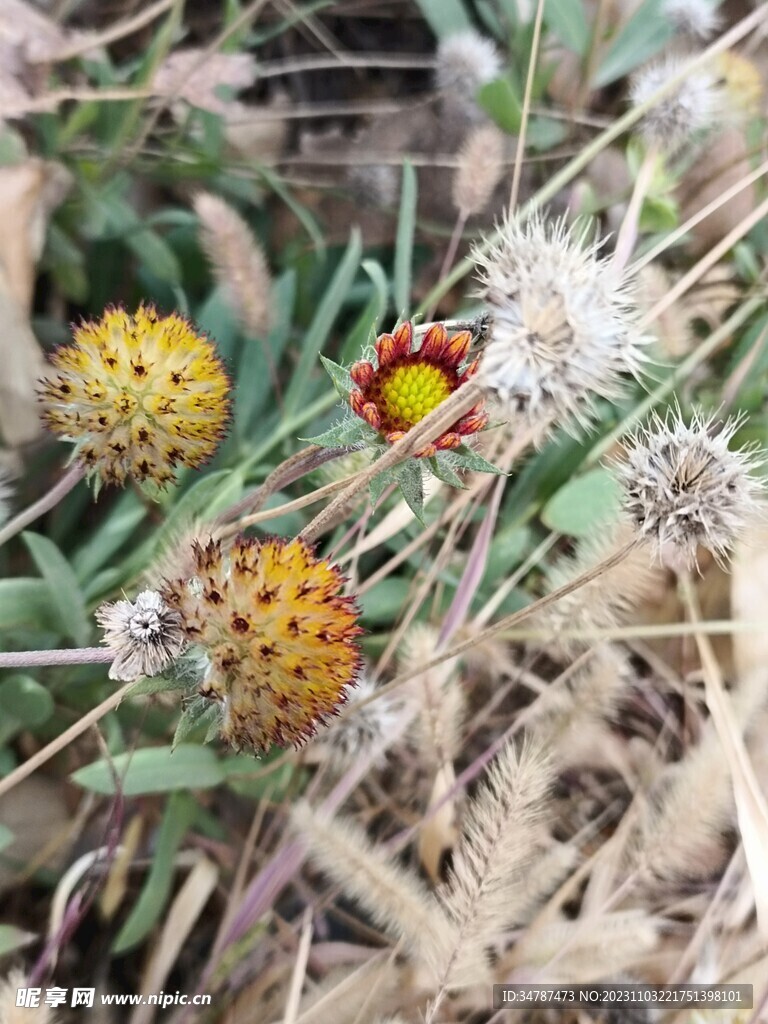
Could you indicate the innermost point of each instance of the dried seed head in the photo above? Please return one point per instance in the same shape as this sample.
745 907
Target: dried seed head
465 62
372 728
694 107
145 635
564 327
11 1013
237 260
139 395
698 18
685 488
280 637
479 171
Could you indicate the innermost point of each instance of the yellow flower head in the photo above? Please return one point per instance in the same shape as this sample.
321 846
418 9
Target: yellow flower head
139 395
405 386
280 637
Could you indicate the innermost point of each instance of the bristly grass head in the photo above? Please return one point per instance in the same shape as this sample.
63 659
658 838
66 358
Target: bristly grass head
281 638
684 488
139 395
564 326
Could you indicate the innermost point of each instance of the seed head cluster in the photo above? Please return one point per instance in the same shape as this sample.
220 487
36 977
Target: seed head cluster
465 62
373 727
280 638
684 488
564 326
692 108
145 635
138 394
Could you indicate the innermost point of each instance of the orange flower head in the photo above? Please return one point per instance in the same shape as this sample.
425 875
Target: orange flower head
138 394
406 385
280 637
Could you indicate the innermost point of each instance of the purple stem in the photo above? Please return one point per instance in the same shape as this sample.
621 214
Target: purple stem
69 656
48 501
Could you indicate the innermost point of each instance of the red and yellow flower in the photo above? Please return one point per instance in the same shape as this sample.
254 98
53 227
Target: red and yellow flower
406 385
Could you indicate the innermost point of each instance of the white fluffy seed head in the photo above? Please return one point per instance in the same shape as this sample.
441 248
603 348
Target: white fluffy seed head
698 18
564 325
692 108
373 727
684 488
465 62
145 635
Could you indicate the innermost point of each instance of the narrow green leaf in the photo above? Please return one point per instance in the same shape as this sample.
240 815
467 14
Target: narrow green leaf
13 939
341 435
383 603
6 837
26 601
146 686
321 326
439 468
363 334
179 815
411 482
339 376
498 100
64 588
584 504
468 458
445 17
569 23
153 770
406 226
642 37
377 486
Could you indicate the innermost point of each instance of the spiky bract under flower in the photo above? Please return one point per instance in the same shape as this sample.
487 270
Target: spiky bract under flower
138 394
564 326
145 635
405 386
693 107
280 637
685 488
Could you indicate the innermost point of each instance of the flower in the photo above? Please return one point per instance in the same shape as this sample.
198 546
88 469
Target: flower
693 107
139 395
280 638
145 635
563 328
405 386
685 488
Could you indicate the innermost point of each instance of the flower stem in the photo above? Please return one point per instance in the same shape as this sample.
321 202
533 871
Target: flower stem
69 656
70 734
48 501
630 225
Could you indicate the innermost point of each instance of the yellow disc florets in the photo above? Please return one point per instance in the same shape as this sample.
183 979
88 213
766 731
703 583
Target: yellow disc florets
413 391
280 637
139 395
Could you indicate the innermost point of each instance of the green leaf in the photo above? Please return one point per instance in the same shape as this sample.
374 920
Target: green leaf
406 226
195 713
115 529
155 684
411 482
363 334
6 837
643 36
25 700
12 939
440 468
468 458
498 100
585 503
246 778
382 604
25 602
378 485
445 17
155 254
568 20
320 328
179 815
342 434
339 376
153 770
64 588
